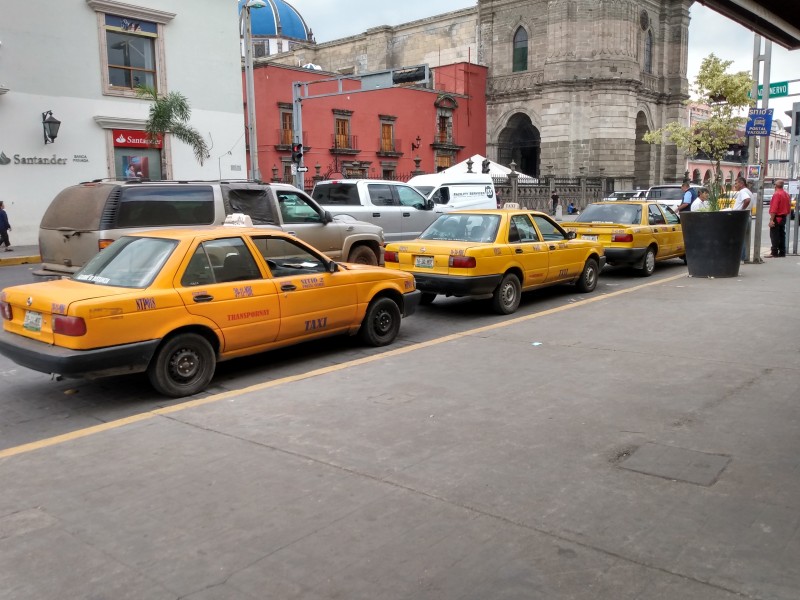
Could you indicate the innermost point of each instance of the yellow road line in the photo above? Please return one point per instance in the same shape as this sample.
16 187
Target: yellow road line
82 433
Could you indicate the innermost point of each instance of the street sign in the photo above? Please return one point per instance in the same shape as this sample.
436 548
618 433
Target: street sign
759 121
302 169
776 90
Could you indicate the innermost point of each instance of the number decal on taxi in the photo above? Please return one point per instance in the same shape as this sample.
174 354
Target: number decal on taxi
312 282
563 272
243 292
145 303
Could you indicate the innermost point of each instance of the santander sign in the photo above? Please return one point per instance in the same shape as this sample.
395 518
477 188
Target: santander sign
132 138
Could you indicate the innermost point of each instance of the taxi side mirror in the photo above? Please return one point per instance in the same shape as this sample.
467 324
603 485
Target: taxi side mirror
571 235
333 267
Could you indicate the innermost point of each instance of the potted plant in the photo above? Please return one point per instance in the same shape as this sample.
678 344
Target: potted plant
713 238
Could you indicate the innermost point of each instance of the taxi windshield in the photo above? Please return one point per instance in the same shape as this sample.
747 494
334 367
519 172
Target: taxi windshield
463 228
129 262
625 214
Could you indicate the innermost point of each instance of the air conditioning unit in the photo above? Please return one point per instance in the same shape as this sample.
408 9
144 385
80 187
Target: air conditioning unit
260 50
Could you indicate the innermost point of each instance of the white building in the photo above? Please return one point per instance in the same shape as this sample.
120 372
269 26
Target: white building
81 59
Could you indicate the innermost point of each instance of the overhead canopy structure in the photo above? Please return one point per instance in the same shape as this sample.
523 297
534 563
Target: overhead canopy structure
776 20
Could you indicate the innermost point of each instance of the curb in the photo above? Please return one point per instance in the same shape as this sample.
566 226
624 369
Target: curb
20 260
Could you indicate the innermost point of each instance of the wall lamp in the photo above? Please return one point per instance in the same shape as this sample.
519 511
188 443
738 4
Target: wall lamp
50 125
416 146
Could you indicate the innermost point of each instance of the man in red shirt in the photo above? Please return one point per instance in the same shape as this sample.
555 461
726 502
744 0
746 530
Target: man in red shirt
779 208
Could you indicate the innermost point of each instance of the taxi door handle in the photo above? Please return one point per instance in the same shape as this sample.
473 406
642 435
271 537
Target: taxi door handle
203 298
288 287
552 247
518 250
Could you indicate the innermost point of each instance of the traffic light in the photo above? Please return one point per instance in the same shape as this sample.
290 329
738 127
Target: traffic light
297 153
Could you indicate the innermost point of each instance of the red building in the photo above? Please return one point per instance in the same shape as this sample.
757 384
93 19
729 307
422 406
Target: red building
376 133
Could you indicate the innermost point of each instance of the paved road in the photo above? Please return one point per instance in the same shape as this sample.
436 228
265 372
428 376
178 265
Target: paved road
641 443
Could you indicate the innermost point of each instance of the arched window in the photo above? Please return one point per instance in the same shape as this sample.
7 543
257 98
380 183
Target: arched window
520 59
648 52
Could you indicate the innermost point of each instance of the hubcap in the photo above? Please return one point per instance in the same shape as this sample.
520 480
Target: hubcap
383 322
651 261
509 294
184 364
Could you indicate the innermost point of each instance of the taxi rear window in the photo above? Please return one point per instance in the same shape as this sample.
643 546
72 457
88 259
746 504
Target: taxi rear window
131 262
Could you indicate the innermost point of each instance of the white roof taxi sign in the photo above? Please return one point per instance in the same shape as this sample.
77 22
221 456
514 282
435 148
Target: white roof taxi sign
238 220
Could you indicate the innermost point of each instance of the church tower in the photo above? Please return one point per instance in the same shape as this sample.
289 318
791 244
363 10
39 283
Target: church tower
575 84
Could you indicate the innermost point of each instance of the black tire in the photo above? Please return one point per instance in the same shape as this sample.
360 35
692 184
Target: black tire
381 324
363 255
648 263
427 298
588 279
183 365
506 296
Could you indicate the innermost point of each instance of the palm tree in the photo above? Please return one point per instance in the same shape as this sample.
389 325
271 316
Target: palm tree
170 114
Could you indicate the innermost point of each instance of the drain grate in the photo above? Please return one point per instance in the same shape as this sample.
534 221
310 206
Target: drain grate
670 462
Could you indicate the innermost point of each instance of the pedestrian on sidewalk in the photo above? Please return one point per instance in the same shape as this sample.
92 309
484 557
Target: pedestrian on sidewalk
779 208
5 227
701 202
554 198
741 201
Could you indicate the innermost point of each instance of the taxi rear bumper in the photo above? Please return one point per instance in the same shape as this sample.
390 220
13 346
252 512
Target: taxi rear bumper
38 356
624 256
453 285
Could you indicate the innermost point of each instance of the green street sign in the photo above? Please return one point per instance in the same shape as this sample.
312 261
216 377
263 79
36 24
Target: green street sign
776 90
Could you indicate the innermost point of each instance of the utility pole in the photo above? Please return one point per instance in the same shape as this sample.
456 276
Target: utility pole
758 197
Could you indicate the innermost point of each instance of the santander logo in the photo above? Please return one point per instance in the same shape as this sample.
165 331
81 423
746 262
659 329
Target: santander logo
121 139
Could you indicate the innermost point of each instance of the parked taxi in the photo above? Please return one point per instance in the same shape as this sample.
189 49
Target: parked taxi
633 233
175 302
495 252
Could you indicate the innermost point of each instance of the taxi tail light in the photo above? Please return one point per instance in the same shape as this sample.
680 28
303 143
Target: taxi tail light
462 262
74 326
622 237
103 244
5 310
390 256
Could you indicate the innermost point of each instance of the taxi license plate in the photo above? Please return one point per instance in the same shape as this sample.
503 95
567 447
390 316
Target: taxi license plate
591 238
425 262
33 321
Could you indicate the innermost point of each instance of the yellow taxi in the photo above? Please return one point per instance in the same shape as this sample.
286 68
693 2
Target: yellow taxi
633 233
497 252
175 302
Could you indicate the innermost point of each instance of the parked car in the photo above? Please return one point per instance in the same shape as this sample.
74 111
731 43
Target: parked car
626 195
496 252
633 233
83 219
669 194
397 207
174 302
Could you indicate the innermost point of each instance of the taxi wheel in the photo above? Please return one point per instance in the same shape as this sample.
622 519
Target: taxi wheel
427 298
184 365
506 297
588 279
381 323
363 255
648 263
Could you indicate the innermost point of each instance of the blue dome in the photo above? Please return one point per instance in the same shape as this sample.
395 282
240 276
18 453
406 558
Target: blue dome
277 19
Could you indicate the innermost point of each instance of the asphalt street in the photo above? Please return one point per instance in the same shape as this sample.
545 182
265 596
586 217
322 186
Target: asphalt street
641 442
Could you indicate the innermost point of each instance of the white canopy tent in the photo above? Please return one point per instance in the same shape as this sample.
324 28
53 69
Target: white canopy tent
495 169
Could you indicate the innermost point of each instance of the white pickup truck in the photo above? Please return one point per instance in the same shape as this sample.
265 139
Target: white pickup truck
398 208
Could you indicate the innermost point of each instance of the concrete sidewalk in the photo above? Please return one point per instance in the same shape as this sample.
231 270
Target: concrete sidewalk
641 444
20 255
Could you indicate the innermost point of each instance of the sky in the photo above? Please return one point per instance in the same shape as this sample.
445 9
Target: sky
728 40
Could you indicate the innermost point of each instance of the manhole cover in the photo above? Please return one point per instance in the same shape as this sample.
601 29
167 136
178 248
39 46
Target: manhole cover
670 462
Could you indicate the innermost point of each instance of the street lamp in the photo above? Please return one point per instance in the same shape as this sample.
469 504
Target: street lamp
255 173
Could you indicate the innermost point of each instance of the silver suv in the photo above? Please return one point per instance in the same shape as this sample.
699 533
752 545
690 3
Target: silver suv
85 218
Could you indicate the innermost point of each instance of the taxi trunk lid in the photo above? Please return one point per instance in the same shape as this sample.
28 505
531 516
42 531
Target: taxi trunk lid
34 305
431 257
598 232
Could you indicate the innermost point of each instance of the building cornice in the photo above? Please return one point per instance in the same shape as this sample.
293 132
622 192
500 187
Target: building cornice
129 10
119 122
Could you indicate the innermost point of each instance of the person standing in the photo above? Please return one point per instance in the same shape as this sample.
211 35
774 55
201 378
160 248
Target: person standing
779 208
5 227
741 201
554 199
701 202
687 199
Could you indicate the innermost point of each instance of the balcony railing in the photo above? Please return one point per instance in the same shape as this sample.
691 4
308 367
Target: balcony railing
390 147
344 144
285 138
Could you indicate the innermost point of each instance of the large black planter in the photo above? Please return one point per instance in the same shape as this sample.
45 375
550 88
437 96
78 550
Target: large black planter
714 241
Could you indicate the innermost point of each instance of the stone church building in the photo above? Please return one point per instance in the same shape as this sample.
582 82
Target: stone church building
573 84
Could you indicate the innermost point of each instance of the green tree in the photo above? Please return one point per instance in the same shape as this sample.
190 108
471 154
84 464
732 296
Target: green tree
170 114
727 95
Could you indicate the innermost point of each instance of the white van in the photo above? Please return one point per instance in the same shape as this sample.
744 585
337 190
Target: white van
456 191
